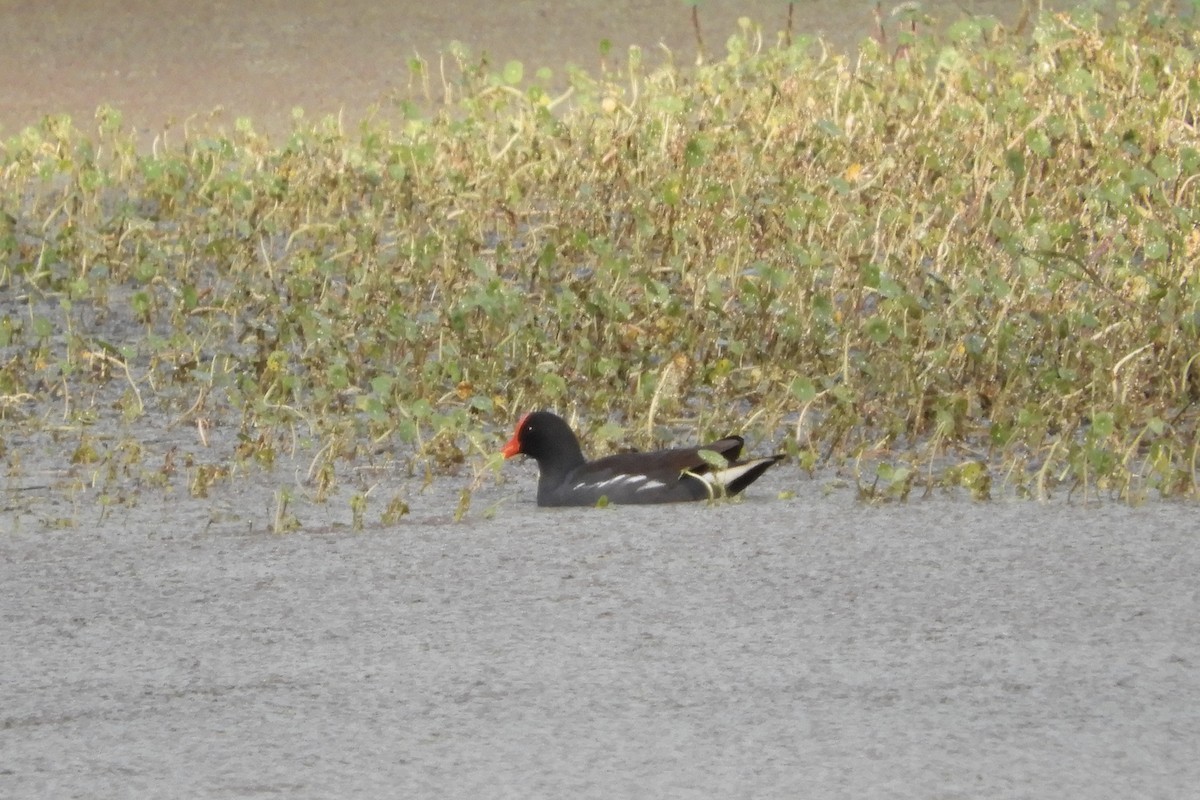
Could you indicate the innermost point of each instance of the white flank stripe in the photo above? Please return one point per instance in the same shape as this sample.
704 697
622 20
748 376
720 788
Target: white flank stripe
651 485
613 480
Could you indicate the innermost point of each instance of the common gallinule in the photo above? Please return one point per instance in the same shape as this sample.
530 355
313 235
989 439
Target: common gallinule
664 476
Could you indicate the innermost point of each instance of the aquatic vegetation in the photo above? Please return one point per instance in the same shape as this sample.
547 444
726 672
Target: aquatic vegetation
968 263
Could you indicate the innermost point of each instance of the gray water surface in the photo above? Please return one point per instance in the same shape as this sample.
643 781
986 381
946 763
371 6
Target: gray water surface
811 647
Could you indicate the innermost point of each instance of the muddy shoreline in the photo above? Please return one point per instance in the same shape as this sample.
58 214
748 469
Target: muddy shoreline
171 63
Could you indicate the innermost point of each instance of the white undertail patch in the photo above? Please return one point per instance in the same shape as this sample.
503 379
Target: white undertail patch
724 477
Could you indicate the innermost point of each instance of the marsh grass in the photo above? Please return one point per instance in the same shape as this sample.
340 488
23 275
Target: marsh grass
968 262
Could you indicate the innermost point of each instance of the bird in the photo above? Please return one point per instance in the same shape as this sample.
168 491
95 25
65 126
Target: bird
665 476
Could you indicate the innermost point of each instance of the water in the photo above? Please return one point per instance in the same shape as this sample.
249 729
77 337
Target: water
772 648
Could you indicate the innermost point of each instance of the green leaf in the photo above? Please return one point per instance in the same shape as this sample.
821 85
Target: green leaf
514 71
1103 424
803 389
